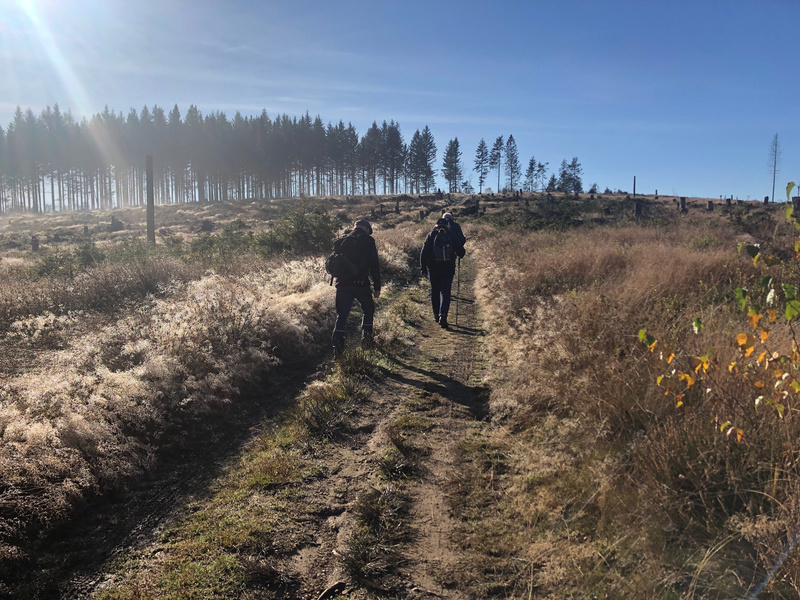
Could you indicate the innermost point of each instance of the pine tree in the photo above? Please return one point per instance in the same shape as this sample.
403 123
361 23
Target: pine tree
482 163
451 165
570 177
496 158
427 158
513 169
394 154
530 175
413 171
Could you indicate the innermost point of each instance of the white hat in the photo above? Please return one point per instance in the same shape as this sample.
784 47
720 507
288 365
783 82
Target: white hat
448 216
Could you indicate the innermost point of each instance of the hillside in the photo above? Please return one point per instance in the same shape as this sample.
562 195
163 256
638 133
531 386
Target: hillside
529 452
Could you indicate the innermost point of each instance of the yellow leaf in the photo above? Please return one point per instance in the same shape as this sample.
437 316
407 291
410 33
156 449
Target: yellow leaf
732 366
725 425
764 334
759 384
772 314
679 404
687 377
796 386
739 435
741 339
761 357
754 318
748 351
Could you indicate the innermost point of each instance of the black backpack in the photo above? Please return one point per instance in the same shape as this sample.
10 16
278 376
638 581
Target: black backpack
339 264
442 245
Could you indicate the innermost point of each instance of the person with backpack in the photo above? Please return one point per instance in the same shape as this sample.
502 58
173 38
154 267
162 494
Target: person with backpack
437 261
351 265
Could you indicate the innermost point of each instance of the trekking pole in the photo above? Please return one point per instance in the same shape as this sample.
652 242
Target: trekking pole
458 288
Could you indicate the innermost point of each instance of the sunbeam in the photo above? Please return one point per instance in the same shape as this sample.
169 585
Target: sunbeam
72 84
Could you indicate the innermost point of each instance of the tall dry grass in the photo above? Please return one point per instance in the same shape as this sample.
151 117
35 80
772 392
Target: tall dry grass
657 489
98 411
175 347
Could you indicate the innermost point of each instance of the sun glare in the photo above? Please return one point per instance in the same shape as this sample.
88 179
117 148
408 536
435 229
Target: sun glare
78 98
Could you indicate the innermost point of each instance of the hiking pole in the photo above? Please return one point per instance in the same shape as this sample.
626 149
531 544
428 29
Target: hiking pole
458 288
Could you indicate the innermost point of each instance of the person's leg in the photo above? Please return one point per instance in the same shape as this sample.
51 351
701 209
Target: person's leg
364 297
344 302
444 289
436 297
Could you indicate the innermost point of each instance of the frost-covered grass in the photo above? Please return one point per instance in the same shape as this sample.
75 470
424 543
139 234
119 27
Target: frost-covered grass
97 413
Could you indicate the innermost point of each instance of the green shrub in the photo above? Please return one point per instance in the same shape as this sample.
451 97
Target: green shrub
304 231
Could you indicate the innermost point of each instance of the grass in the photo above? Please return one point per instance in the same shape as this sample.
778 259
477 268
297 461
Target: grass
374 552
143 345
628 484
591 482
234 540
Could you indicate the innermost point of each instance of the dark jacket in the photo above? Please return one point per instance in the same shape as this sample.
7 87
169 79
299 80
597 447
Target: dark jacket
457 239
361 250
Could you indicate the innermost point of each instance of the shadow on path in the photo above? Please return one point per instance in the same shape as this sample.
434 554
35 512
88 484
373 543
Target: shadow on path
474 398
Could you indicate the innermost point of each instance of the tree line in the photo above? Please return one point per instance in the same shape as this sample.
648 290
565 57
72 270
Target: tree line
55 162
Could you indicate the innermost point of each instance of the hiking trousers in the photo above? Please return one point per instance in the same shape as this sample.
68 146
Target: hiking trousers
441 282
345 294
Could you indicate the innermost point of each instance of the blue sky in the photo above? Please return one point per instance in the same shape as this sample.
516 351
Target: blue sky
684 95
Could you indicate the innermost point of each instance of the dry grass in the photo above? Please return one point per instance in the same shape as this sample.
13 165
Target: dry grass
628 484
142 347
96 415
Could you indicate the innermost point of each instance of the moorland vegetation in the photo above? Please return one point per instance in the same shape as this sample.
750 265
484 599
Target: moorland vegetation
594 476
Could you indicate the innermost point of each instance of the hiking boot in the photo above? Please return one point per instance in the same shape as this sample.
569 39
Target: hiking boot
436 318
444 324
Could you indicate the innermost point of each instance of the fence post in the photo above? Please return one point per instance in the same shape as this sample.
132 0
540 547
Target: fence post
151 202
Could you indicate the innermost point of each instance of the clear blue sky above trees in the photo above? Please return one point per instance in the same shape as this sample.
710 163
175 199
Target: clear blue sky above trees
685 95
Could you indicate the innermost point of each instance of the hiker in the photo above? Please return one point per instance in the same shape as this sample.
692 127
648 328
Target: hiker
438 262
359 247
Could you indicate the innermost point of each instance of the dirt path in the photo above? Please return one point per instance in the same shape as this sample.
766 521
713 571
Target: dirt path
434 395
427 402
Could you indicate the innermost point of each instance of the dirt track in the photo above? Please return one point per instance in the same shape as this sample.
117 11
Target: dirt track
438 387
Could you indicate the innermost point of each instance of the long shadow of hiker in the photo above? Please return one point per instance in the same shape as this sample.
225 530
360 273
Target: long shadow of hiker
473 398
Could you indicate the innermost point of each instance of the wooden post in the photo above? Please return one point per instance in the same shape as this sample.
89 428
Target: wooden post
637 210
151 202
35 243
728 201
397 206
634 186
683 203
710 206
766 199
